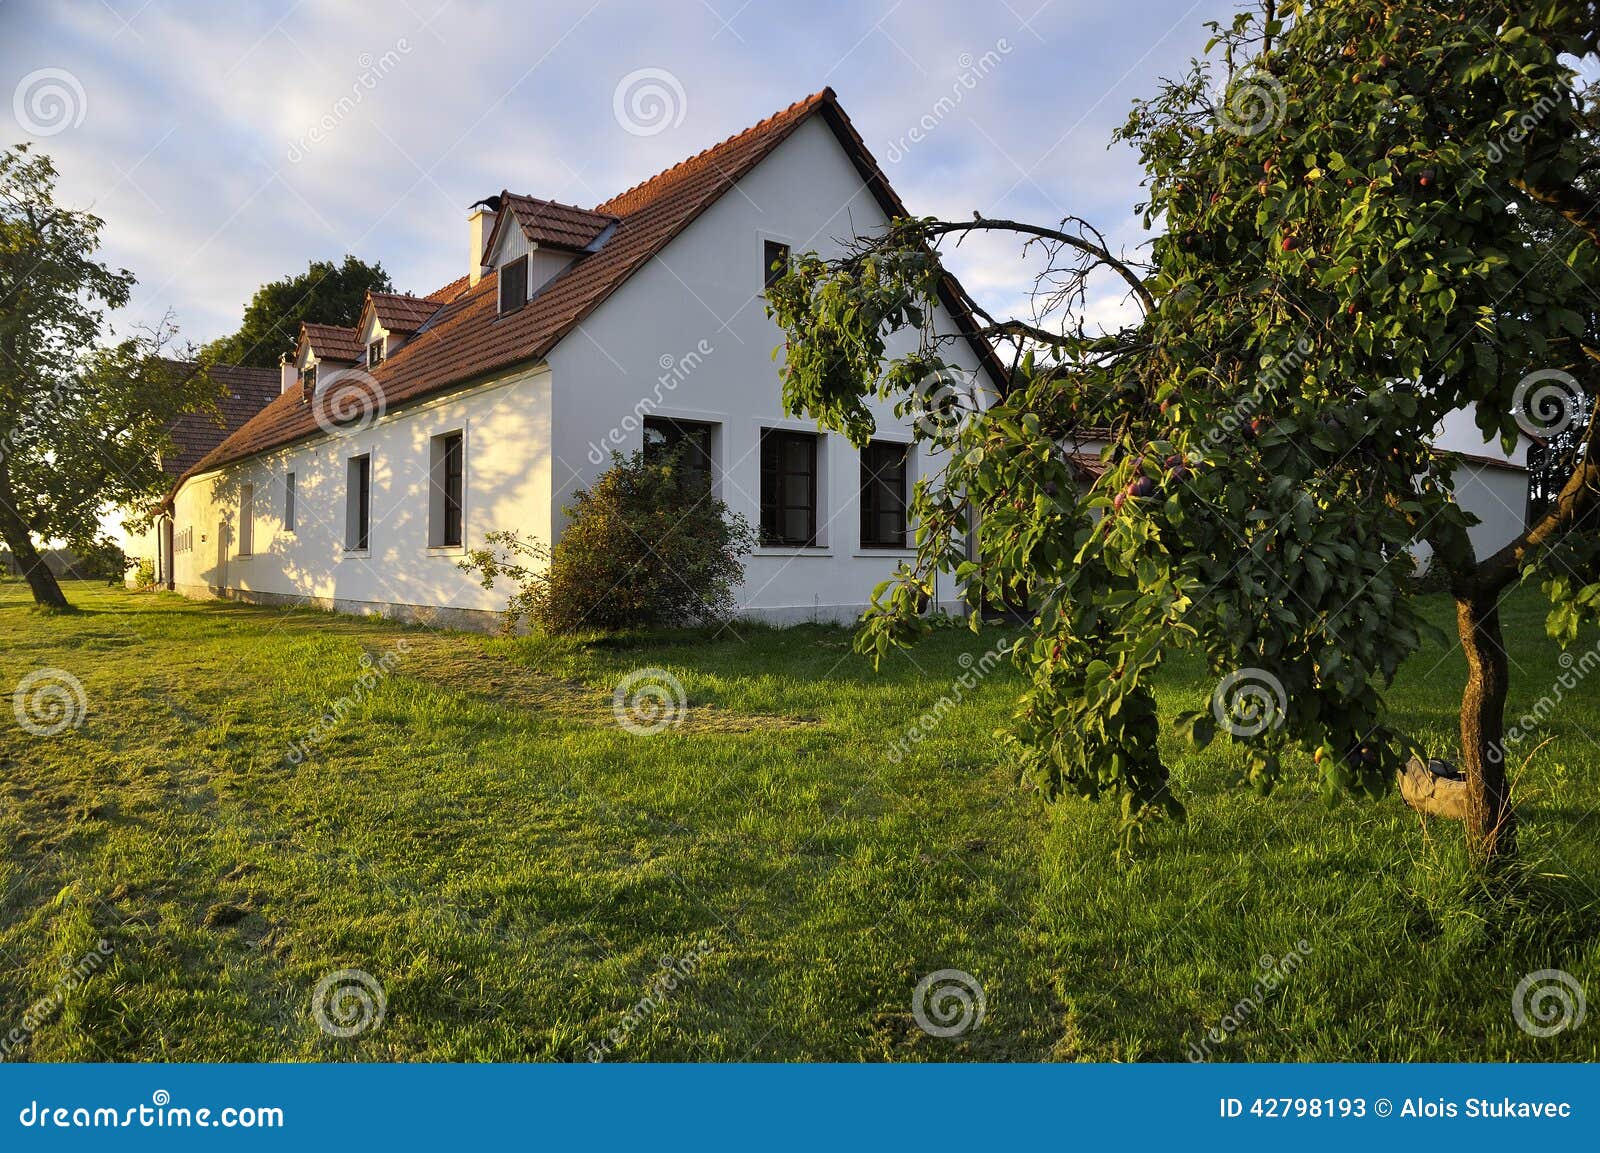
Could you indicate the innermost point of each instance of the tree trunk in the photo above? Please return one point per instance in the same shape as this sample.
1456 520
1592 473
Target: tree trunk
46 592
1491 822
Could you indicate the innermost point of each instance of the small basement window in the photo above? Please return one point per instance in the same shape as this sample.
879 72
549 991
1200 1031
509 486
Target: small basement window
514 285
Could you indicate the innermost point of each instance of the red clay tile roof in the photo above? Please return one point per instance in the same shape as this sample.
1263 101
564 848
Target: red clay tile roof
402 314
330 342
249 390
554 225
466 339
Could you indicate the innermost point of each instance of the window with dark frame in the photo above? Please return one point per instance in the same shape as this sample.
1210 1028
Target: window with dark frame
788 487
247 519
514 284
308 379
663 436
288 502
450 480
775 261
883 494
375 353
358 503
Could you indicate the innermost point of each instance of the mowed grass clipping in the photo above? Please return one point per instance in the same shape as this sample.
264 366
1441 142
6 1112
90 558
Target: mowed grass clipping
521 874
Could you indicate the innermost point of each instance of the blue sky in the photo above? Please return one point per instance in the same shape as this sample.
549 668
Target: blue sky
228 145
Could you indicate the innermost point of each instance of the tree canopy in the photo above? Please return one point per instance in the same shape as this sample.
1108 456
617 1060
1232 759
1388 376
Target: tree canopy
1345 202
84 416
325 293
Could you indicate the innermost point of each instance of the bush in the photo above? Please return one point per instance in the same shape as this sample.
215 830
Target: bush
144 576
646 546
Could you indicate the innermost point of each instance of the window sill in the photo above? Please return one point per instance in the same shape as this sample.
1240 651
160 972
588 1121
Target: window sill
356 554
886 551
791 550
447 550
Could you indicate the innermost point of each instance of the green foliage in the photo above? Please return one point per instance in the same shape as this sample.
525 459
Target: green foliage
82 422
1336 268
325 293
646 546
144 576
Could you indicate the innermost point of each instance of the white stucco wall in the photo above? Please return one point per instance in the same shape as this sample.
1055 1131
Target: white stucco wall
1496 495
506 425
687 337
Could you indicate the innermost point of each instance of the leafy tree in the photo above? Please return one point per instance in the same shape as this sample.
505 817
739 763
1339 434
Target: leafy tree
1344 255
325 293
81 424
646 546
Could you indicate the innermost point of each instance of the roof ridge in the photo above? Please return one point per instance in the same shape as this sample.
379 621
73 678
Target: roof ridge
825 95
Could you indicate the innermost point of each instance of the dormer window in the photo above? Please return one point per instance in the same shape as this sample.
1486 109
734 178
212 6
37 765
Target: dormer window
513 285
308 379
375 353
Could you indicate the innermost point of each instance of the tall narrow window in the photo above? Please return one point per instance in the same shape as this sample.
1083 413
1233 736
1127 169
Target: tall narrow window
663 437
288 502
375 353
883 494
788 487
447 490
514 284
308 379
358 503
247 519
775 261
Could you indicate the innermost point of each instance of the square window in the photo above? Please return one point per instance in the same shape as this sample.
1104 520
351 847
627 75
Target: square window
375 353
663 437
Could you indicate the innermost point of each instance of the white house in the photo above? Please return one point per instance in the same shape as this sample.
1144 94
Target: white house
395 446
486 405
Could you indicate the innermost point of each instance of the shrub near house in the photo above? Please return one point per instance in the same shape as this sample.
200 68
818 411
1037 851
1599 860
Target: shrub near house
648 545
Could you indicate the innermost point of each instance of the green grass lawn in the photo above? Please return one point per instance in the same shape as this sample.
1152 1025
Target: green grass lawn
480 835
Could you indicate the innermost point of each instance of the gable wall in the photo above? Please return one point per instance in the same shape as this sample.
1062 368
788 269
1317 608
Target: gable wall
688 337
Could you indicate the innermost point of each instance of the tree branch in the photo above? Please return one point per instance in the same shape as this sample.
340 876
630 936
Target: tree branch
1579 208
1097 252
